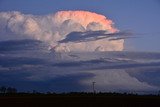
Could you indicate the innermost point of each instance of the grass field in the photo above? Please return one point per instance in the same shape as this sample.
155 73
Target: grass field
78 100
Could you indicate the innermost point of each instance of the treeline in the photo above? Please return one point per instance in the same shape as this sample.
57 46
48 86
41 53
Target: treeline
11 90
4 90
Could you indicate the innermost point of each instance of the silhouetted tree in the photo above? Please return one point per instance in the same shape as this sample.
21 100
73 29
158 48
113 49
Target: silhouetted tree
3 89
35 92
11 90
49 92
159 92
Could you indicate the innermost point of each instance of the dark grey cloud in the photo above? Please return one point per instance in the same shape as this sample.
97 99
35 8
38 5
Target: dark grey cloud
17 45
95 35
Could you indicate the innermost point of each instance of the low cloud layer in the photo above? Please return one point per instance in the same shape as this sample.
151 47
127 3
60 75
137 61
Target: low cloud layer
28 65
56 27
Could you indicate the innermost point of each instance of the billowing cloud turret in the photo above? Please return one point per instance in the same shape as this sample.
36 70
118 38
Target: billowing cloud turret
56 27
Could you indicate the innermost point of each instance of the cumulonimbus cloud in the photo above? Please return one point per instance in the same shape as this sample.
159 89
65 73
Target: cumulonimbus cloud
56 27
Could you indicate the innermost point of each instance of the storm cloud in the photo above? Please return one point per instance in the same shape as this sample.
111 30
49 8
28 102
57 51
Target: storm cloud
57 27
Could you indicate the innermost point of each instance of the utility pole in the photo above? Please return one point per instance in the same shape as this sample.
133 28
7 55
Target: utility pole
93 86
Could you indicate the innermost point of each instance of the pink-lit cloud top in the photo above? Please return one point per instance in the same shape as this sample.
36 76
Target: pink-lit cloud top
85 18
53 28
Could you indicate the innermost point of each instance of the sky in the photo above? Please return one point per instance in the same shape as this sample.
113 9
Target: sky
139 17
65 45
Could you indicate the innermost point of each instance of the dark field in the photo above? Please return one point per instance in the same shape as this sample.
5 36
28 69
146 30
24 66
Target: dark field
80 100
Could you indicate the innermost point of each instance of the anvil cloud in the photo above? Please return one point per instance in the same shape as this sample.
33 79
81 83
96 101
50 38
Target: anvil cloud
56 27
